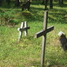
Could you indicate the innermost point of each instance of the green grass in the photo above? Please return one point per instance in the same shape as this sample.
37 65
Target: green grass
27 52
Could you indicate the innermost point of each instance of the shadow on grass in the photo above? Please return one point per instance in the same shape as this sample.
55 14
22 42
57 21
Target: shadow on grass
46 64
35 63
58 15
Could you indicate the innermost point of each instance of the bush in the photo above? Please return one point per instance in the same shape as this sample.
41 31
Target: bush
13 22
5 17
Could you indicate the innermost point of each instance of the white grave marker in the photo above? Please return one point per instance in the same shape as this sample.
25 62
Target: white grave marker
24 27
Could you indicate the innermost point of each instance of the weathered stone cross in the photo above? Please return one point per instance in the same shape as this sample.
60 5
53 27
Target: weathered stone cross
24 27
43 33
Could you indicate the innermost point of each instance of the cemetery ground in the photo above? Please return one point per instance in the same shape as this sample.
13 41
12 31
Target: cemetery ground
27 52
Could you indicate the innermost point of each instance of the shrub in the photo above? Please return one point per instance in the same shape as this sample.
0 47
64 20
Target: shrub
13 22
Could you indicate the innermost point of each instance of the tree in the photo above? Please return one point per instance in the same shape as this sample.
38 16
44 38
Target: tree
60 2
51 4
17 3
8 1
0 2
42 1
46 3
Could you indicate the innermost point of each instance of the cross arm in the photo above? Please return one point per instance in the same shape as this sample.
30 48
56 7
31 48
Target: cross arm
25 28
21 29
43 32
50 29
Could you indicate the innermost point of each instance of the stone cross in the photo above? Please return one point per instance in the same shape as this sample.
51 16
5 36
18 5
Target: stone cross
24 27
43 33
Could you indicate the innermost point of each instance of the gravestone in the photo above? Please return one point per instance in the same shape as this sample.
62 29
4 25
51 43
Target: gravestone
24 27
43 33
63 40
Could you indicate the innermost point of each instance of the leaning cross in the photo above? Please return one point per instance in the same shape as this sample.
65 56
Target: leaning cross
43 33
24 27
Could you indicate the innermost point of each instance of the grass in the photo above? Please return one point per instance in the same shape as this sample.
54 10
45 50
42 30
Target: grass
27 52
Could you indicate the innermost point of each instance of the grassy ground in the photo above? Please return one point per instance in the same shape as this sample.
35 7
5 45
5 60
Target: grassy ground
27 52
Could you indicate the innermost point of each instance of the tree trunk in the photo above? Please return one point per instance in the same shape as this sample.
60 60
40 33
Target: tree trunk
0 2
42 1
46 2
17 3
8 2
60 2
51 4
30 0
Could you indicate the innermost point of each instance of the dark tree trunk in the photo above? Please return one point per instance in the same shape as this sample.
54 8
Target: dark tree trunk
17 3
51 4
60 2
42 1
30 0
26 5
8 2
0 2
46 2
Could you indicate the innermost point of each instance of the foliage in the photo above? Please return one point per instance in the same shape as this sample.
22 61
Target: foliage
5 16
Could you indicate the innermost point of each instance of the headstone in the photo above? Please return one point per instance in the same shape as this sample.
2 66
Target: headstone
63 40
24 27
43 33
